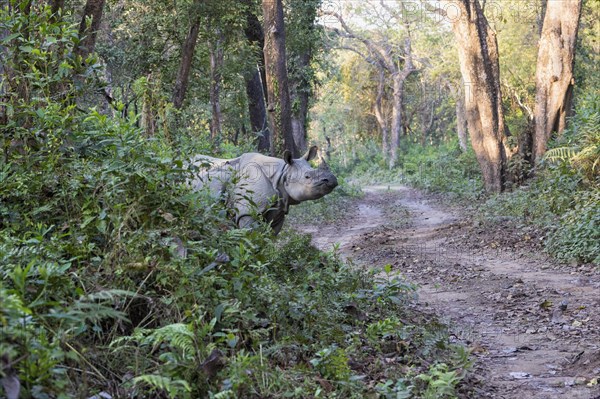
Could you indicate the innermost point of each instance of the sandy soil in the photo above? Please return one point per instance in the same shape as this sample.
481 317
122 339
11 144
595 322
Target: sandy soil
532 325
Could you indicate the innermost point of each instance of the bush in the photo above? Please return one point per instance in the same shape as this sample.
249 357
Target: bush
563 199
443 168
115 276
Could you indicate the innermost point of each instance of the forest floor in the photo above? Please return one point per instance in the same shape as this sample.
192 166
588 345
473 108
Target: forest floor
533 325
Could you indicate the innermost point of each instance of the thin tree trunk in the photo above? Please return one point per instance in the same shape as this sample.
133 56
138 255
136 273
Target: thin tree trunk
554 73
4 79
478 56
304 13
384 54
329 148
256 88
216 66
257 110
461 121
380 114
187 55
93 10
399 78
427 116
541 16
398 88
279 105
149 108
302 93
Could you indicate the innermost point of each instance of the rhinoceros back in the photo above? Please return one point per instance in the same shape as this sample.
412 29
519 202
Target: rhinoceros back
247 183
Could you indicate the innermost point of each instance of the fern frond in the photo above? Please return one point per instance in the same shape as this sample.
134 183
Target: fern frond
108 295
171 387
179 336
563 154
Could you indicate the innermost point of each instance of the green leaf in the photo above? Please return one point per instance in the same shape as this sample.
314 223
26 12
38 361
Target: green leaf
10 37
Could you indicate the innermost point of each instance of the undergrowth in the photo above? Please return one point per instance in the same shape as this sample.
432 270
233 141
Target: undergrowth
563 199
442 168
117 279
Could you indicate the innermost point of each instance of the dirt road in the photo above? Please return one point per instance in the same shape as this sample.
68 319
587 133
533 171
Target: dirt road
533 325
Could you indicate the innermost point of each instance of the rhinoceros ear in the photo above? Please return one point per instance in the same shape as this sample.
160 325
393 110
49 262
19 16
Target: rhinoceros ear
311 153
287 157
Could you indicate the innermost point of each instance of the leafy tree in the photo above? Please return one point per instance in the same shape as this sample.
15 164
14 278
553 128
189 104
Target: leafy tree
391 53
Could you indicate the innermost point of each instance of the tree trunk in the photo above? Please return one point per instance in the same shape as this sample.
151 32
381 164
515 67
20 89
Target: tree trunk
216 66
187 55
302 93
540 17
256 88
257 110
396 118
399 78
384 53
55 7
278 95
93 10
478 57
461 121
149 107
301 52
380 114
554 73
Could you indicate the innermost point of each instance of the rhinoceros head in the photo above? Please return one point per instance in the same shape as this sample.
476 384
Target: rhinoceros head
303 182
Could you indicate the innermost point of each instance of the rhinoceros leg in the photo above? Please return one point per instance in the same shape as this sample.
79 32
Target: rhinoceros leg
277 222
246 222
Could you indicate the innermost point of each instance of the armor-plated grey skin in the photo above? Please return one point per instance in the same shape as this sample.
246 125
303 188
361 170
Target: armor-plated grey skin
255 184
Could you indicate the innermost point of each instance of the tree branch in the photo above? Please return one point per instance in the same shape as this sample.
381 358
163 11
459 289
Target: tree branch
380 51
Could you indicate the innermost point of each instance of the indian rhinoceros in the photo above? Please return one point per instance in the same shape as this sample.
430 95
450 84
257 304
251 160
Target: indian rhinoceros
258 185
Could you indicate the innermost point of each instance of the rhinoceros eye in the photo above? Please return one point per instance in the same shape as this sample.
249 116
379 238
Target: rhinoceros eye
307 177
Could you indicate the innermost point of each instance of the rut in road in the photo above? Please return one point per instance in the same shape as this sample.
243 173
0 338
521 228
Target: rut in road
532 325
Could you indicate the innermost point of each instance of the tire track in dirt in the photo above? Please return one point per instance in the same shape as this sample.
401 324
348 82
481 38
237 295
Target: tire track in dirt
533 328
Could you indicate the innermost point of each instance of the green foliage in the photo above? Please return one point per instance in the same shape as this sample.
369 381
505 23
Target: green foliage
583 137
116 276
438 381
332 363
444 168
37 79
564 198
439 168
441 382
160 384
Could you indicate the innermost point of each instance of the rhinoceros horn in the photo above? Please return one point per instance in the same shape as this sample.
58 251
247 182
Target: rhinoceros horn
323 164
